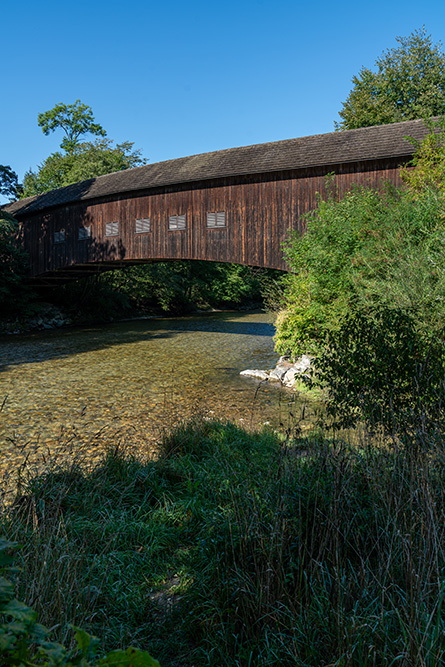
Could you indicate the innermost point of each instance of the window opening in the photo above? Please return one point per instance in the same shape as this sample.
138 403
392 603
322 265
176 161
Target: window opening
84 233
142 225
111 229
176 222
216 219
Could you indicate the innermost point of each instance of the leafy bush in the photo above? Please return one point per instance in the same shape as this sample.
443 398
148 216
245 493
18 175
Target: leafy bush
370 248
428 161
380 369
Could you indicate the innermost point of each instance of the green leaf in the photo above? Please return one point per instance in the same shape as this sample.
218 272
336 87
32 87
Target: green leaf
20 611
5 558
7 642
56 653
39 632
86 643
15 628
6 590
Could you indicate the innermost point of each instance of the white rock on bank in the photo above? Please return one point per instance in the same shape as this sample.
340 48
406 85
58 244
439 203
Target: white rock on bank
259 375
285 372
289 377
279 372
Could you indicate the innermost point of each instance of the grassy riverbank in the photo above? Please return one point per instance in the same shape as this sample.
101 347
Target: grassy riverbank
236 548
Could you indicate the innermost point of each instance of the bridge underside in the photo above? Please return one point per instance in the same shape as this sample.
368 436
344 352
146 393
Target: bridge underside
76 272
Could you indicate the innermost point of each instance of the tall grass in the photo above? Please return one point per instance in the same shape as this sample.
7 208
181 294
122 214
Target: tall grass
236 548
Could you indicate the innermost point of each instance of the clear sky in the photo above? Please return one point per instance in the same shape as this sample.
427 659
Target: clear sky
179 78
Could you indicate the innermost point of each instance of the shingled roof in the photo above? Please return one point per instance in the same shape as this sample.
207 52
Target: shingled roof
368 143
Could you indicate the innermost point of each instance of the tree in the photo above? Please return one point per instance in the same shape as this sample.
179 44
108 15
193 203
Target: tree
371 249
83 161
74 119
409 83
79 160
14 294
182 286
9 186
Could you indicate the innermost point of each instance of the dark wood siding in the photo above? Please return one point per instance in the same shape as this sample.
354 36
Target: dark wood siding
260 210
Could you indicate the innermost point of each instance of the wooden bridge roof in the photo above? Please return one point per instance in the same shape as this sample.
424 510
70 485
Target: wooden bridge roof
368 143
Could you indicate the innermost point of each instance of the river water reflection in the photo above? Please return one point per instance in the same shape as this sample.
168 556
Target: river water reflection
80 388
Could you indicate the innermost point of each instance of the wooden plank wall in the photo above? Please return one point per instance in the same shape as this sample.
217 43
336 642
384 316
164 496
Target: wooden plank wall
260 211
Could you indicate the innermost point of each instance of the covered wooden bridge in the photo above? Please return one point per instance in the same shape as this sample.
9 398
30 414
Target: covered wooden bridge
234 205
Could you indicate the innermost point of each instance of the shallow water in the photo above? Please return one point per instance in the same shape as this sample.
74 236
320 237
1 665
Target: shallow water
72 389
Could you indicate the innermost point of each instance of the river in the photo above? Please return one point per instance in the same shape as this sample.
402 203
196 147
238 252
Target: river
77 390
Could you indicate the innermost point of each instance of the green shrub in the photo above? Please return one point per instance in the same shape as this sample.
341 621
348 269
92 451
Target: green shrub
178 287
369 248
379 368
428 160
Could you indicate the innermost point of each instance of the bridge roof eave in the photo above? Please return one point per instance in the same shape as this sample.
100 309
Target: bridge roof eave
33 205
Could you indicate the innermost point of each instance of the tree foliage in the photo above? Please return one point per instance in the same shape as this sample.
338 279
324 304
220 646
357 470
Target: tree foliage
370 248
85 160
14 294
74 119
409 83
178 287
183 286
9 186
368 299
78 160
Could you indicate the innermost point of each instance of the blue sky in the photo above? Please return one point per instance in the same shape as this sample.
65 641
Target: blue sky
179 78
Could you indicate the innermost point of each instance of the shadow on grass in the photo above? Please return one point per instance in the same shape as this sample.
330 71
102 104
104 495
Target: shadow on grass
236 548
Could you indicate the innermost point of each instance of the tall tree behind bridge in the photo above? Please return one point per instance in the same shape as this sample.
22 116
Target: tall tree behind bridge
74 119
78 160
9 186
409 83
